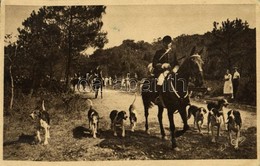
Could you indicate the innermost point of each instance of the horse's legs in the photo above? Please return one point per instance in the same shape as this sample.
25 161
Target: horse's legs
160 117
96 93
183 114
172 128
146 114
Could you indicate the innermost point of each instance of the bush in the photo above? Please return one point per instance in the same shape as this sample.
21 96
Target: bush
247 91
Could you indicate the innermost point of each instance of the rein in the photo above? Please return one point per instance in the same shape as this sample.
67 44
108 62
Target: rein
176 93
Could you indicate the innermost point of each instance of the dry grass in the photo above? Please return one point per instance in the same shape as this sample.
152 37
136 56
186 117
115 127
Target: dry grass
71 139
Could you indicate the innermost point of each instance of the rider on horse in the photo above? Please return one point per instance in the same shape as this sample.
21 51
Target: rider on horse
164 61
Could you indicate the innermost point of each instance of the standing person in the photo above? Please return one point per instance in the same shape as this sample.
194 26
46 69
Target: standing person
228 87
127 82
235 81
98 72
122 82
110 81
163 61
106 81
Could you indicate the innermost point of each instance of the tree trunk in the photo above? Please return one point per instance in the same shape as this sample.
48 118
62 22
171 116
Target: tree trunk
12 88
69 59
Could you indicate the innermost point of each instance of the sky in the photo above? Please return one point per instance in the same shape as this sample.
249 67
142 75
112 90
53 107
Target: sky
148 22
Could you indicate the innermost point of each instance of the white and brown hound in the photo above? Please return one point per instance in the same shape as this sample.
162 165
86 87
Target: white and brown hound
216 116
198 114
117 119
93 118
133 115
234 123
43 121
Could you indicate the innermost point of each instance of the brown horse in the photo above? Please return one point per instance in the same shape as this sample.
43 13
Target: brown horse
175 94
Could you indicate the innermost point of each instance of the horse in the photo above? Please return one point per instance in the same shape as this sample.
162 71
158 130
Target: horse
175 94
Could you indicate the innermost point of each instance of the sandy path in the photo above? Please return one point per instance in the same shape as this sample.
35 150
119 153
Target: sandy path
121 100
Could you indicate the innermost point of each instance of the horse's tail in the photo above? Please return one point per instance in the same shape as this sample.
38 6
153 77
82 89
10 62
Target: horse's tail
147 102
91 103
147 96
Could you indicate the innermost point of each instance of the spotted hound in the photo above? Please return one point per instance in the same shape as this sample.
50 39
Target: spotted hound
93 118
234 123
133 115
198 114
117 120
215 116
43 121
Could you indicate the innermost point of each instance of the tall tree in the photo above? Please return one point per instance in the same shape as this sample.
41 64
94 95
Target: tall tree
81 29
40 39
226 38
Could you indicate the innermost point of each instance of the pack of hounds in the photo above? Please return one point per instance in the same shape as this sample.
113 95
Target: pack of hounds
214 112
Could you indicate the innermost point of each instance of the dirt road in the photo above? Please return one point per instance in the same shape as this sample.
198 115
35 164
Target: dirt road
71 139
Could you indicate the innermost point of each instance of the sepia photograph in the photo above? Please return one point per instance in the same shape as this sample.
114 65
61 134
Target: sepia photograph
129 81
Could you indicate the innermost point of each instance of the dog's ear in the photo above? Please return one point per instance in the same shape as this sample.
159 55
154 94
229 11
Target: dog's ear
237 115
204 110
120 115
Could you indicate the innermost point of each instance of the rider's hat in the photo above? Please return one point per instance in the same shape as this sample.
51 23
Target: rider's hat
167 39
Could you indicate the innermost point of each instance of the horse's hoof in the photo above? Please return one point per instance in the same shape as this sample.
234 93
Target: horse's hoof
185 128
176 149
148 132
164 138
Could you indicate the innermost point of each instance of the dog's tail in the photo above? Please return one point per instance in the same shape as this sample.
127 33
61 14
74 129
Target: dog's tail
134 99
91 103
43 107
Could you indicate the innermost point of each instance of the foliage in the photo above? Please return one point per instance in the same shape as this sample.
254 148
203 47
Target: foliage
52 43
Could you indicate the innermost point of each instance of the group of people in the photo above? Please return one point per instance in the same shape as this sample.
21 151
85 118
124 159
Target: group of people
231 83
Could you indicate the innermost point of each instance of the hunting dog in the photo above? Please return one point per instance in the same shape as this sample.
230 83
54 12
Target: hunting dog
43 121
117 119
198 114
133 115
93 119
234 123
214 116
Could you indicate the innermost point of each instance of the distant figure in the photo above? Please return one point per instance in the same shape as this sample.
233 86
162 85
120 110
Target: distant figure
110 81
123 82
235 81
106 81
127 81
228 88
115 79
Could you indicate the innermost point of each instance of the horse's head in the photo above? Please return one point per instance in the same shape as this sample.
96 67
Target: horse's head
193 67
196 70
